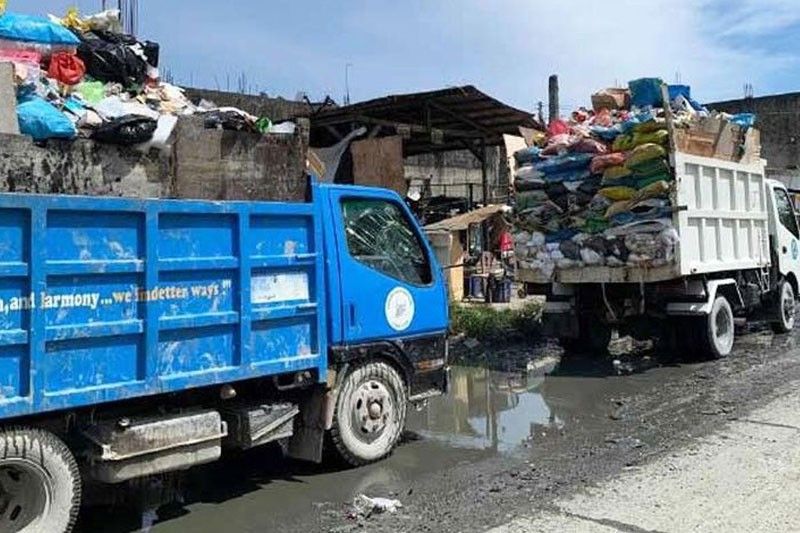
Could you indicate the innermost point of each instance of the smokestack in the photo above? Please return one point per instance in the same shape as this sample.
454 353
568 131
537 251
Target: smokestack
553 96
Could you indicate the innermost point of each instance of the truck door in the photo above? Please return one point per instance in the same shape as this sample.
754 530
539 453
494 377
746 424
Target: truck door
787 233
390 283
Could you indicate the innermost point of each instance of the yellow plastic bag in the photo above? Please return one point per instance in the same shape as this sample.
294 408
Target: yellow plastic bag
618 207
2 6
618 192
654 190
611 174
650 126
644 153
74 21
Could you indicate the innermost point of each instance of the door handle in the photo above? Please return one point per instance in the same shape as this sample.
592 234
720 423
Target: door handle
784 250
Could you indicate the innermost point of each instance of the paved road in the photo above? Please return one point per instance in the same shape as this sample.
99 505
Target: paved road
517 451
743 478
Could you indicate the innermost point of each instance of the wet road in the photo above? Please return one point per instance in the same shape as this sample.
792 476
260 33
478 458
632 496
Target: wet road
463 451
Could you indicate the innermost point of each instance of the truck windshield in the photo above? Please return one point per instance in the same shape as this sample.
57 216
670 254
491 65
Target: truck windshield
381 236
786 212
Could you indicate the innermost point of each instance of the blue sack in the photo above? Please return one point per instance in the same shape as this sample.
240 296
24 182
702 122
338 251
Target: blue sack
35 29
528 155
41 120
562 163
646 92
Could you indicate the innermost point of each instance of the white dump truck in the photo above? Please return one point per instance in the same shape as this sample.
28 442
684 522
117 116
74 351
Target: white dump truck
736 258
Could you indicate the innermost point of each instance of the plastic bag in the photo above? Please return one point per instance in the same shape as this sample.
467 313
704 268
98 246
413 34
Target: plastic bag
164 128
92 92
127 130
2 6
644 153
618 192
656 189
35 29
66 68
42 120
110 58
646 92
612 174
557 127
563 163
228 120
604 161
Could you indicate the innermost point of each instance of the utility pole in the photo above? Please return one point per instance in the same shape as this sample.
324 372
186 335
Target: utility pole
347 83
553 97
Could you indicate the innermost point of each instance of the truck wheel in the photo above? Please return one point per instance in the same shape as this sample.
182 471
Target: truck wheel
370 413
718 333
40 485
785 308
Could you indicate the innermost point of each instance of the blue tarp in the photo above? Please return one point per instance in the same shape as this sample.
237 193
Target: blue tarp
35 29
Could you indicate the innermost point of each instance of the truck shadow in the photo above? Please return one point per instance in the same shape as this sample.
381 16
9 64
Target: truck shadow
134 508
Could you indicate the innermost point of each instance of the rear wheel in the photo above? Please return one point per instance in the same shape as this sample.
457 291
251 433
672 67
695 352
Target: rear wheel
370 413
784 311
40 486
717 335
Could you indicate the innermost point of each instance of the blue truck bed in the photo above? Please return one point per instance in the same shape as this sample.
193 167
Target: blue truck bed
103 299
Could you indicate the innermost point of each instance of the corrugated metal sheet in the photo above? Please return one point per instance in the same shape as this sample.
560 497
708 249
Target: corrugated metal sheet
464 220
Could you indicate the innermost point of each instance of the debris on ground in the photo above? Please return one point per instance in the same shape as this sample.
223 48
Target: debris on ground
366 506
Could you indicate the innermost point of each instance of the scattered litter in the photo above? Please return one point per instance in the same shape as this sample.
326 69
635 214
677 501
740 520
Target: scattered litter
366 506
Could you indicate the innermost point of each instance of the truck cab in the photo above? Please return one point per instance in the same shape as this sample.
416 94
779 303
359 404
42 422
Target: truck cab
784 235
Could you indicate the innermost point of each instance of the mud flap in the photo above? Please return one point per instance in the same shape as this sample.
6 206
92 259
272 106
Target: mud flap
309 427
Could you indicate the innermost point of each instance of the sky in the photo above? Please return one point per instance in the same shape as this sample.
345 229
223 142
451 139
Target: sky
507 48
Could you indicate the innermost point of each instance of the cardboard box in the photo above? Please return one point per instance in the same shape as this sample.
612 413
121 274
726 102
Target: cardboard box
720 139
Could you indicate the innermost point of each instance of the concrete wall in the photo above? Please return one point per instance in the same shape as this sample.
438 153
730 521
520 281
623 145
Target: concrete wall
778 118
449 173
200 163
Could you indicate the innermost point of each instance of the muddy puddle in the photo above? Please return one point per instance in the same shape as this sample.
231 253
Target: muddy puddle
485 413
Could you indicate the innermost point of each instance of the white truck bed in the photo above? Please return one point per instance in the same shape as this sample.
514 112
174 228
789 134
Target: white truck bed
721 219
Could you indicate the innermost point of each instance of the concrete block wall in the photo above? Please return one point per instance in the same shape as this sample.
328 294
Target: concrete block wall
450 172
200 164
778 118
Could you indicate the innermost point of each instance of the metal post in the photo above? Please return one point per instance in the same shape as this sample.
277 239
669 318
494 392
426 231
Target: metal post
471 200
484 173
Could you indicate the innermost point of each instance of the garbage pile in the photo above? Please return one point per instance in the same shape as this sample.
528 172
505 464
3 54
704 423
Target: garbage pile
597 189
84 77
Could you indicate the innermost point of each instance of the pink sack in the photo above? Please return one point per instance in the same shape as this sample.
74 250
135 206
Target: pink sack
589 146
557 127
602 162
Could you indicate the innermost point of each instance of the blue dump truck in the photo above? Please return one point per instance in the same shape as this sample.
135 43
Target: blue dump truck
140 337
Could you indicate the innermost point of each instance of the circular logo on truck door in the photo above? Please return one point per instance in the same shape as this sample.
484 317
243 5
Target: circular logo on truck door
399 309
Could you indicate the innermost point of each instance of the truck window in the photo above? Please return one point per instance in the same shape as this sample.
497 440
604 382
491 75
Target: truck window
785 211
381 236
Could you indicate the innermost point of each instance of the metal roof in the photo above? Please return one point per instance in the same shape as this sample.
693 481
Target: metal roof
434 121
464 220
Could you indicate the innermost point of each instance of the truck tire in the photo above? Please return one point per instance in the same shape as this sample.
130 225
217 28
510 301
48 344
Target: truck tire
717 335
784 308
370 413
40 485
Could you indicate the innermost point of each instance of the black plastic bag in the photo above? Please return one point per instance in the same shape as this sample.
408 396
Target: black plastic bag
227 120
109 58
127 130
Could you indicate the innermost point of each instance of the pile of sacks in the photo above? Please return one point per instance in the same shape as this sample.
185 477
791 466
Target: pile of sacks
597 189
83 77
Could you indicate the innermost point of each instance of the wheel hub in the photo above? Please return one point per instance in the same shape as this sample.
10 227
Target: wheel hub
371 410
24 495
